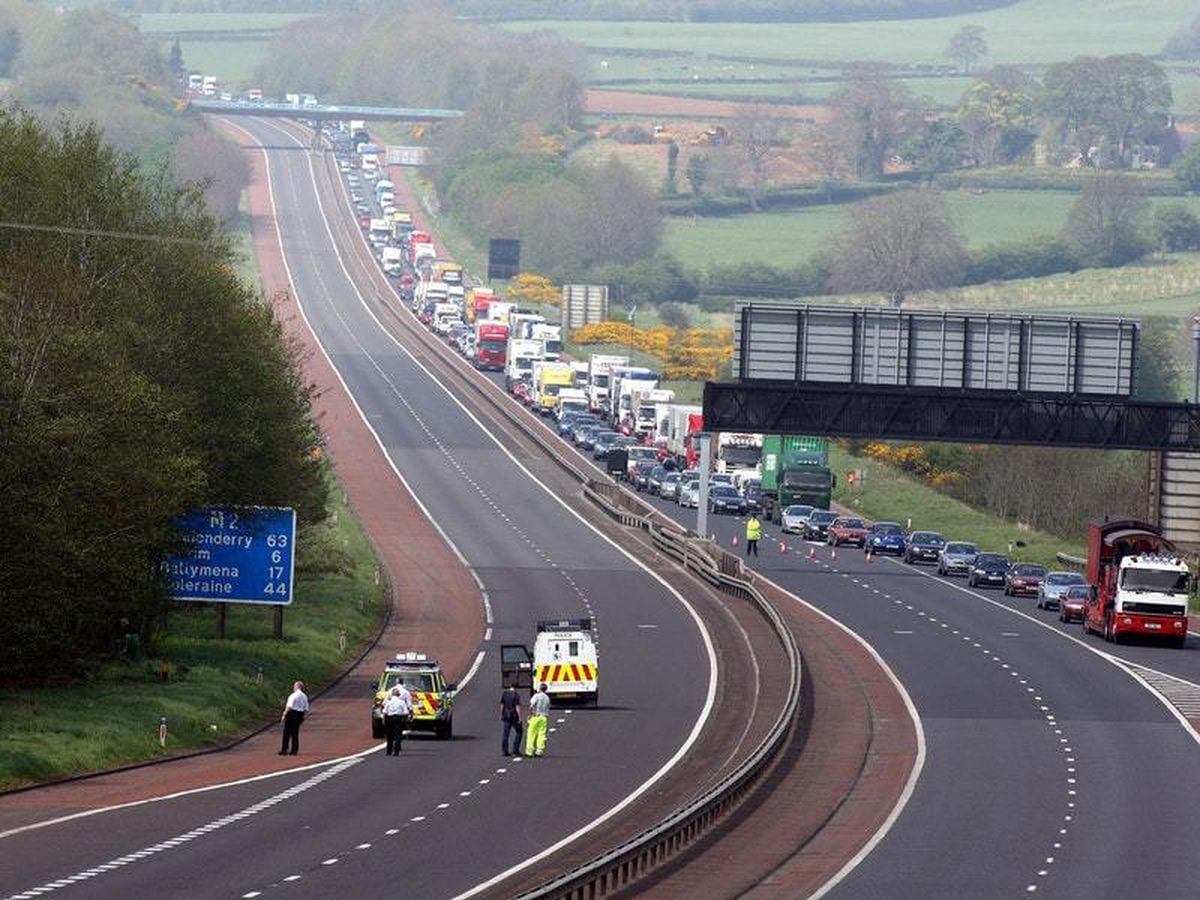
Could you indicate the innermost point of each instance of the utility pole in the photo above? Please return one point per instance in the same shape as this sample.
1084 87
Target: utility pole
705 439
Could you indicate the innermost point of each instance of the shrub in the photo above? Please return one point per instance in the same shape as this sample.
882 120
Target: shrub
1031 258
1175 228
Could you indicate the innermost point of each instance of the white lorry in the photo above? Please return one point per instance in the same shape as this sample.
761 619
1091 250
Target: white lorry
570 399
600 368
650 407
393 260
550 335
519 359
623 382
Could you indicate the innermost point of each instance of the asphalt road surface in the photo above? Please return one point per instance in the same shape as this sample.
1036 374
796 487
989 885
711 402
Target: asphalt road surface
446 816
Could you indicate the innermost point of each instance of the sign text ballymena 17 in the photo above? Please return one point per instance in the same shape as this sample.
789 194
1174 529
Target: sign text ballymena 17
236 555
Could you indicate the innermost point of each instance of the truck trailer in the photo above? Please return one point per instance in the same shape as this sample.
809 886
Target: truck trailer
491 344
795 469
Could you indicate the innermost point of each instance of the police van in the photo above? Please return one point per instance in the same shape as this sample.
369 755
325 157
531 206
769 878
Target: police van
563 659
433 699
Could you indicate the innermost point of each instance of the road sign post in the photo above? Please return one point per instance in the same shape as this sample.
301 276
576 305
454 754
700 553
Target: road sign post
702 501
234 555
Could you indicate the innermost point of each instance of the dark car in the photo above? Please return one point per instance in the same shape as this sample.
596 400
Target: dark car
817 526
752 491
654 479
988 568
923 546
1023 578
569 422
886 537
602 442
639 474
585 436
724 498
1053 586
1071 604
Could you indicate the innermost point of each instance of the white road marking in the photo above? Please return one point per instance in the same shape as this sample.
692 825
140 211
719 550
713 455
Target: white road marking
187 836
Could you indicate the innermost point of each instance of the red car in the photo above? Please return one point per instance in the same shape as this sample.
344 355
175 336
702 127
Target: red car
847 530
1070 604
1023 578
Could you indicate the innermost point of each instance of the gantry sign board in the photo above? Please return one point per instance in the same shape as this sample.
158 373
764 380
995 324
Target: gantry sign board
777 341
584 304
237 555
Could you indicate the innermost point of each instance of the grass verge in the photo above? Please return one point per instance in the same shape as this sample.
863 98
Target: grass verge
887 494
111 718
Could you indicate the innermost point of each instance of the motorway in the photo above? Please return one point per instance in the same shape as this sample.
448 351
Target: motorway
1049 768
448 816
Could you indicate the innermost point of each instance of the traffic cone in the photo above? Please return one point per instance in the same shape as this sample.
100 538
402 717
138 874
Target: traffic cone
869 554
812 553
735 541
833 552
782 547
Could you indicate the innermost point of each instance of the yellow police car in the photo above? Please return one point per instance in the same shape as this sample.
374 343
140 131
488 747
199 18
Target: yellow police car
433 699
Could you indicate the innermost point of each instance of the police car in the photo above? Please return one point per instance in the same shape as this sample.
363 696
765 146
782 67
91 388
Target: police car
433 699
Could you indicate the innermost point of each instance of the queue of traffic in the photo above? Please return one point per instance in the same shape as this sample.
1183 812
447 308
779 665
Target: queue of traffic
1134 583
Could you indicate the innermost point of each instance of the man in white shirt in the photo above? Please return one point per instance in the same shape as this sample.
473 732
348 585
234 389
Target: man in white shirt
293 715
396 711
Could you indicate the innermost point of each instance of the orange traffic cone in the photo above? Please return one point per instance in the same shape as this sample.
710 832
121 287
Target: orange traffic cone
833 552
812 553
735 542
782 547
869 554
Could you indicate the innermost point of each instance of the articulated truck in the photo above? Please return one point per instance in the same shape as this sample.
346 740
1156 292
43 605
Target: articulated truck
1139 583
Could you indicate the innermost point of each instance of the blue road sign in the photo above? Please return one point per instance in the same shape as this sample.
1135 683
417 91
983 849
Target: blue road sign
238 555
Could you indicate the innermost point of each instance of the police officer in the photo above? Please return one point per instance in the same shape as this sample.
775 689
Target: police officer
753 533
396 711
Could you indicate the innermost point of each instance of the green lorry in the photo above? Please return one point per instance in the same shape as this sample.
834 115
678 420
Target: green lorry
795 469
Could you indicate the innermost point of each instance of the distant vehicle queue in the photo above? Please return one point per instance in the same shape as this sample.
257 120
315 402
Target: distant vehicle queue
1135 582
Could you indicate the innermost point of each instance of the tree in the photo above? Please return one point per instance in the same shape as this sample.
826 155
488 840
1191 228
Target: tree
175 58
140 378
1187 167
697 172
896 244
869 113
674 315
1104 224
756 129
997 114
217 166
936 145
10 48
670 186
967 46
1175 228
1105 102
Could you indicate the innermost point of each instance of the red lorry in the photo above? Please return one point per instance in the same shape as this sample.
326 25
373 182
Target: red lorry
491 345
1139 583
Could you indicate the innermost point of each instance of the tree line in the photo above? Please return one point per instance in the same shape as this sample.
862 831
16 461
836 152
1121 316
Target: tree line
140 379
502 169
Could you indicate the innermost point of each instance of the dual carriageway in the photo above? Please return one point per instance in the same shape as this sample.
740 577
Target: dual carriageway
1041 761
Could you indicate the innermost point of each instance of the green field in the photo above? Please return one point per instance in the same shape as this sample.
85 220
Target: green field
1029 32
111 716
233 62
181 23
789 237
887 494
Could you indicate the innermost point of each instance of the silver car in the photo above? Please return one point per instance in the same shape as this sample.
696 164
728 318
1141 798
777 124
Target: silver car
1053 586
794 518
689 494
669 489
956 558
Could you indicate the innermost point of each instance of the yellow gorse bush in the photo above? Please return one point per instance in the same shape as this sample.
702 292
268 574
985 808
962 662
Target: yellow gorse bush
687 354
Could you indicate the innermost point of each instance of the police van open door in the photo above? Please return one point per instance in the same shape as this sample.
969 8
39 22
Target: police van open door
516 666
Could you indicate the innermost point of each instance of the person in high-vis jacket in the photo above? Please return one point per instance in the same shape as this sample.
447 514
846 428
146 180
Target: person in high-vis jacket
753 533
535 727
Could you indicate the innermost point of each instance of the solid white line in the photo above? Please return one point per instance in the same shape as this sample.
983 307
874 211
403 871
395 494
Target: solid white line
710 697
1123 664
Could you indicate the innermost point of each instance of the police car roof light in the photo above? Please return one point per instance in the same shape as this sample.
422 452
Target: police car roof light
584 624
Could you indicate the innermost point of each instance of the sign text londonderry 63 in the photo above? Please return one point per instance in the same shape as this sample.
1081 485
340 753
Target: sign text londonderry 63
236 555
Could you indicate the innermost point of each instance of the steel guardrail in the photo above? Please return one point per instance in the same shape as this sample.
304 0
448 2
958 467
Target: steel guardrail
623 865
1068 560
